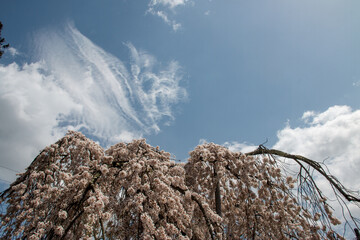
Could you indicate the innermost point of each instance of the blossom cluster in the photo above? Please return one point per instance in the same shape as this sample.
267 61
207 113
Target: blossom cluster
76 190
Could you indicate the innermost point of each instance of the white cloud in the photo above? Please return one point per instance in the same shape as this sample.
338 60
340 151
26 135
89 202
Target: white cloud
161 8
76 84
329 115
240 147
334 136
13 51
168 3
202 141
234 146
30 103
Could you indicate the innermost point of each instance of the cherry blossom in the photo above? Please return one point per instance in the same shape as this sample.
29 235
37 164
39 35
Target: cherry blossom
76 190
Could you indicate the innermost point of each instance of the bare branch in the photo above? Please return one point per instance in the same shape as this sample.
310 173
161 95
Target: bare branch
315 165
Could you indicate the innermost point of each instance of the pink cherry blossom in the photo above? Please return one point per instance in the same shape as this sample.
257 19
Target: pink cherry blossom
76 190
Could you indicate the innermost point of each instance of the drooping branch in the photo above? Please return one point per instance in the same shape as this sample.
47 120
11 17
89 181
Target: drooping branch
19 180
217 194
195 197
204 214
315 165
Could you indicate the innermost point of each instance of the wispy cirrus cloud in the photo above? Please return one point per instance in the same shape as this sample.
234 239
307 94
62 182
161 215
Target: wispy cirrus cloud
163 8
75 84
168 3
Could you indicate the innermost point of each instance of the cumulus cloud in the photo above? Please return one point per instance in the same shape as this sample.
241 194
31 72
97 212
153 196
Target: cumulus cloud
30 103
75 84
332 136
162 9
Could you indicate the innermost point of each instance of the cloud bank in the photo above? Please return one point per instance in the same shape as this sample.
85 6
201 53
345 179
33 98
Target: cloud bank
74 84
333 136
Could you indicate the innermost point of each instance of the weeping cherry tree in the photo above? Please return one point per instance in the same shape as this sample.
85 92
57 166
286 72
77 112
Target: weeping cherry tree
76 190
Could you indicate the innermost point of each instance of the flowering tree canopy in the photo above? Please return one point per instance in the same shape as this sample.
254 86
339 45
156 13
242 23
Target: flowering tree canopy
76 190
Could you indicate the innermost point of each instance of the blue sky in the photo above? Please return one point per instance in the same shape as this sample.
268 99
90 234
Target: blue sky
180 72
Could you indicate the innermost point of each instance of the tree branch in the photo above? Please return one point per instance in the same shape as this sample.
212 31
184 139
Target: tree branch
201 208
316 165
217 194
